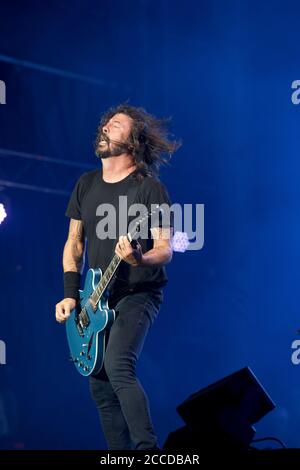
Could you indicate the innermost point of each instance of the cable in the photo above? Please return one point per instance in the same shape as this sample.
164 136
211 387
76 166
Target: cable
30 187
270 439
53 70
41 158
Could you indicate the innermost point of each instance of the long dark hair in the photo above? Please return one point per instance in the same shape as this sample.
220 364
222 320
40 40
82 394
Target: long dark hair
149 143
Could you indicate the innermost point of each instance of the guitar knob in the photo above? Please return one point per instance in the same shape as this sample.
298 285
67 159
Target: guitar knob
82 353
89 357
73 360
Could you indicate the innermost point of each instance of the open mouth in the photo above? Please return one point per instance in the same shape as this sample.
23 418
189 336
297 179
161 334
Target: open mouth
103 140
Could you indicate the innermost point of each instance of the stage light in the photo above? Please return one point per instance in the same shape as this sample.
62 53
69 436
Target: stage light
180 242
3 213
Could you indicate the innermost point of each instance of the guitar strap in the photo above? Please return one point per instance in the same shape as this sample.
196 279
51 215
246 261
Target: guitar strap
132 194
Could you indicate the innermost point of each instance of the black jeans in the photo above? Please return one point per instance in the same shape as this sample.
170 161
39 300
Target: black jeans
120 398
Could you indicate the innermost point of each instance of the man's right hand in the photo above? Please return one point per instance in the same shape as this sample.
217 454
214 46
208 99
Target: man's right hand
63 309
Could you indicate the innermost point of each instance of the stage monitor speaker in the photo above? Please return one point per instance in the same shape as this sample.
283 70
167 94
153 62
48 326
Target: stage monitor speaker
222 414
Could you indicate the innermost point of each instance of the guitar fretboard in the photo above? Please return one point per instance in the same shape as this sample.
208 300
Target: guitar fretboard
106 278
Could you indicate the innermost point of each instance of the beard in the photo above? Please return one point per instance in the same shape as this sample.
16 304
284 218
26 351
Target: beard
110 149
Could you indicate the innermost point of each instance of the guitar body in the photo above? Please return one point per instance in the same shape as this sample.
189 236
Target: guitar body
91 319
86 327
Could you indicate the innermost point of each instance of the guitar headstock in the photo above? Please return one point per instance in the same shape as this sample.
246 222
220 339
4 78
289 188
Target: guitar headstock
153 214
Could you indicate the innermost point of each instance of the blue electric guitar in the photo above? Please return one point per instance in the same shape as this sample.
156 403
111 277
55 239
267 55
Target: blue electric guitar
91 318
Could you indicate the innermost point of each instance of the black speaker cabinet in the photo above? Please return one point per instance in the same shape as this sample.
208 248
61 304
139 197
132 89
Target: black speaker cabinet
222 415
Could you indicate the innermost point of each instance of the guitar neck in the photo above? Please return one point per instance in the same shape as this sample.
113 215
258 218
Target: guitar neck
106 278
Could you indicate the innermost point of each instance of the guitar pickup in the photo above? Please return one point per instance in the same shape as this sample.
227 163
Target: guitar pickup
84 318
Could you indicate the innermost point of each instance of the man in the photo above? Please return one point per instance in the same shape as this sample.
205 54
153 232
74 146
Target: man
131 144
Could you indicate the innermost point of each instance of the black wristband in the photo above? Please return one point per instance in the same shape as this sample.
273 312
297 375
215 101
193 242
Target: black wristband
71 284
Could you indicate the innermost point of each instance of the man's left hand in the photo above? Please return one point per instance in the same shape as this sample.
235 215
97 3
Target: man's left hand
126 252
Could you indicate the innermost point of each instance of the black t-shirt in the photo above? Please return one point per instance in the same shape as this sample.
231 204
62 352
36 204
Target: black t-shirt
89 192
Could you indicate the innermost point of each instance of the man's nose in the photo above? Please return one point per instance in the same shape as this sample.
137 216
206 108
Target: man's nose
105 128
